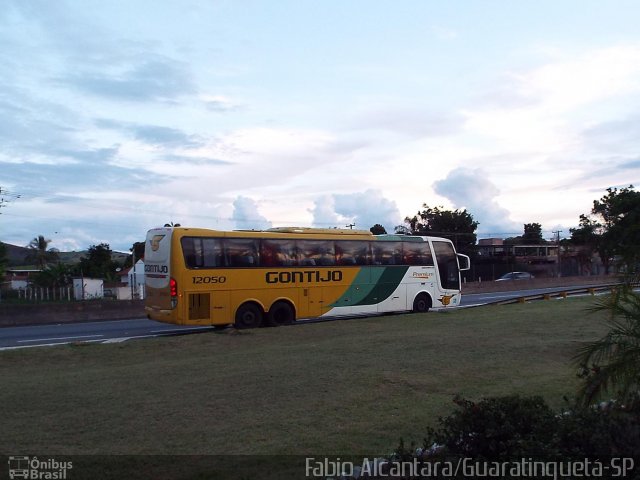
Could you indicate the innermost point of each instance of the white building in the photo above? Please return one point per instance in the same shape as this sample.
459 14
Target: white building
134 279
88 288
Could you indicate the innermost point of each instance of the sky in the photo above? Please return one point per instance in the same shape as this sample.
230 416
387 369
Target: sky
120 116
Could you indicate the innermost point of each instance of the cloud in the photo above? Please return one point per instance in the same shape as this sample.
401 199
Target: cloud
613 134
57 179
219 103
324 212
155 135
246 215
567 83
411 122
158 78
630 165
472 190
364 209
533 110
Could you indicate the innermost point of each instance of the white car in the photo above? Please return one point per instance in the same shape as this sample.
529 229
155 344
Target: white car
515 276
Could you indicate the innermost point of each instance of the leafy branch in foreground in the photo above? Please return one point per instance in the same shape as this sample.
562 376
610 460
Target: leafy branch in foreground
612 363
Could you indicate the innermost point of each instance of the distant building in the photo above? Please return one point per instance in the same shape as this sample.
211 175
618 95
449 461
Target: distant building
133 278
17 278
88 288
531 254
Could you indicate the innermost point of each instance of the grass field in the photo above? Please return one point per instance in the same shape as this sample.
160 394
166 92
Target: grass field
336 387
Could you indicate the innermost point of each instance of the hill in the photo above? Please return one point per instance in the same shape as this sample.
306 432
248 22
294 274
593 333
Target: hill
17 256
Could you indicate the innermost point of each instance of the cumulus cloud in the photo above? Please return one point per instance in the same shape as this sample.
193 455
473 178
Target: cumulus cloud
246 215
364 209
473 190
324 212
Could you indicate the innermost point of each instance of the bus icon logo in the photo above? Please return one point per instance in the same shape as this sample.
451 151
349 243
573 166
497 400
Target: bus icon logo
18 467
155 242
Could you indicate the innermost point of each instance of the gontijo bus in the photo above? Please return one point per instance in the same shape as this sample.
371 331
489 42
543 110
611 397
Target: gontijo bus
250 278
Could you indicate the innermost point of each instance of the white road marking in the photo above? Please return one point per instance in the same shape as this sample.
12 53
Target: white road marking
51 339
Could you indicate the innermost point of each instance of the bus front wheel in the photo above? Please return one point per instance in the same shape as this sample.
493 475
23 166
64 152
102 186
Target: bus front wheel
422 303
248 315
281 313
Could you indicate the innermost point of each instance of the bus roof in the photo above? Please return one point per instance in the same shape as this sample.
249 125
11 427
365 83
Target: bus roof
297 232
320 231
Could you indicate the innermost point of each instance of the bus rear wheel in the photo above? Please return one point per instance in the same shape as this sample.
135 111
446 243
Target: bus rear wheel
422 303
281 313
249 315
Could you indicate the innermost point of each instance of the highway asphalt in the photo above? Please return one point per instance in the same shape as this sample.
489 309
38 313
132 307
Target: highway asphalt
122 330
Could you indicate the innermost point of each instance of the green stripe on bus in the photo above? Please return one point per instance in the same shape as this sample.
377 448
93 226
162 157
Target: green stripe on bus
372 285
386 285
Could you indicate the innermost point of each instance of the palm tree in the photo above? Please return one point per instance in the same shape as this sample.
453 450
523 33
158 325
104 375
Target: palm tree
613 361
39 252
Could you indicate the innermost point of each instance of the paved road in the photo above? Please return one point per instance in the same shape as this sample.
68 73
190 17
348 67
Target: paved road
122 330
484 298
104 331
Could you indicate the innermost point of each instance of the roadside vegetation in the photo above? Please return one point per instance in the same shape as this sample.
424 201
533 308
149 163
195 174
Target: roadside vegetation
340 387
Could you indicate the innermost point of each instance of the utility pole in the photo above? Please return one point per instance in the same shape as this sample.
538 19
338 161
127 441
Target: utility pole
351 225
558 232
134 287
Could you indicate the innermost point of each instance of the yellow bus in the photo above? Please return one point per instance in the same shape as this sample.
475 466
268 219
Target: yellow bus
273 277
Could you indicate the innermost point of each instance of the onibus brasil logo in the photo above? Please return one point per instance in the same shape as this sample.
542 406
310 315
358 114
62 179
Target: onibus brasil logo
35 468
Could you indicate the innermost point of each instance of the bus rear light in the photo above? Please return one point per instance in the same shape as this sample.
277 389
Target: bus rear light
173 290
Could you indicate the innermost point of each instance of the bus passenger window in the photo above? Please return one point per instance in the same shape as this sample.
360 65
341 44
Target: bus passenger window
417 253
316 252
352 252
387 253
241 252
201 252
212 250
278 253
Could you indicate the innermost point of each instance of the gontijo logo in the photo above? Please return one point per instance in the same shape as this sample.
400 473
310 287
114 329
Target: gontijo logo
446 299
155 242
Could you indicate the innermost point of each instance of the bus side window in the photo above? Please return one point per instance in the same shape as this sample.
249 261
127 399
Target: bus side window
212 250
316 252
241 252
387 253
200 252
352 252
278 253
427 257
192 251
415 253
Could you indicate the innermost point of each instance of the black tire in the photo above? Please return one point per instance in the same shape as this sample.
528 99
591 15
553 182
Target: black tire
281 313
422 303
249 315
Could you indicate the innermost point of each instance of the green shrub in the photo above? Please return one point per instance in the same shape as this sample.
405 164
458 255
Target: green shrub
495 427
514 426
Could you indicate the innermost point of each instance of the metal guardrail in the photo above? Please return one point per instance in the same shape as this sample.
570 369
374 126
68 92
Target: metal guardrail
560 293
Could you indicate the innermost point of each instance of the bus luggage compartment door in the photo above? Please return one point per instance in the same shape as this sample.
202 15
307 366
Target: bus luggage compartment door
199 308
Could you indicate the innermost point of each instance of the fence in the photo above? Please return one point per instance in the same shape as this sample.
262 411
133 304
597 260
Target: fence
39 294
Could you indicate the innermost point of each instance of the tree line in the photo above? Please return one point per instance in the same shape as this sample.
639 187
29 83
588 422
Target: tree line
611 230
97 263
